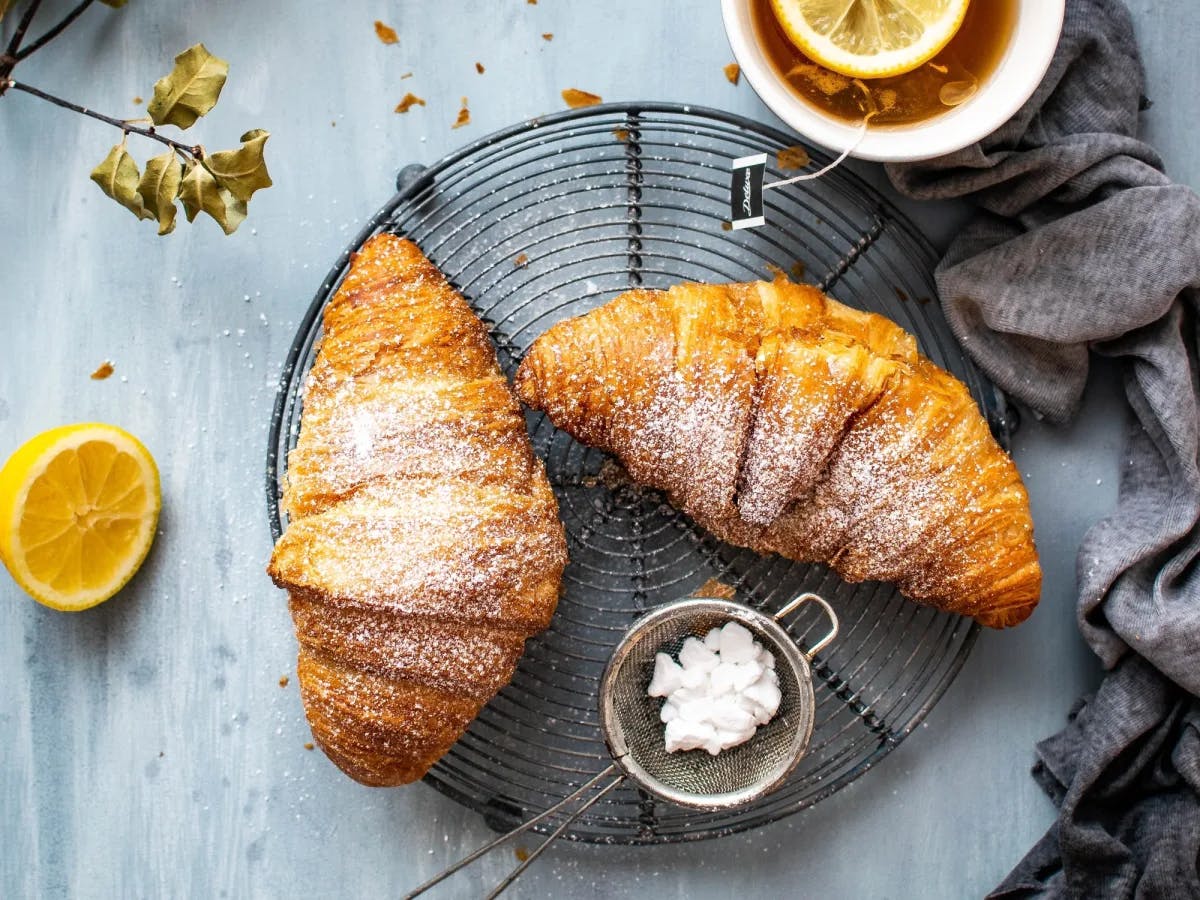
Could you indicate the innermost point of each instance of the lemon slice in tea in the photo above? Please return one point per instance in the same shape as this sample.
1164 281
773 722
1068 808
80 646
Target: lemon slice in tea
870 38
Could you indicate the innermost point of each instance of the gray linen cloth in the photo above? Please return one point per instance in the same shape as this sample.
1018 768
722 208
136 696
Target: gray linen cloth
1082 244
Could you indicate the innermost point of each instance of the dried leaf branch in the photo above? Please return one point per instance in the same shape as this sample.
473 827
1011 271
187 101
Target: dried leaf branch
219 184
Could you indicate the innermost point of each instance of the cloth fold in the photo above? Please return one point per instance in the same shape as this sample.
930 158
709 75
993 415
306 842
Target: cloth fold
1082 244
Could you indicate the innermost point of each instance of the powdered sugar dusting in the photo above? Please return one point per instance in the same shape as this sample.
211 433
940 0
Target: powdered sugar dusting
423 545
827 438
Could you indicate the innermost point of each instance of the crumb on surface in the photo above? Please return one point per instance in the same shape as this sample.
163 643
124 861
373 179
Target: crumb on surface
621 134
521 260
575 98
408 101
479 68
308 745
547 35
102 371
794 157
464 116
715 588
283 681
385 34
733 72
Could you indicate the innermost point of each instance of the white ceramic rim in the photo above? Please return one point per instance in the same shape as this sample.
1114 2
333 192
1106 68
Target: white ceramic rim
1017 76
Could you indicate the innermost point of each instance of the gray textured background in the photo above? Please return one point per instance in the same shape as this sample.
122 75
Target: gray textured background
146 748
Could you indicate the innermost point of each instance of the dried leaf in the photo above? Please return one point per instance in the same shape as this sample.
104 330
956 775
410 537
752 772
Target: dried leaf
159 187
464 116
733 72
479 68
242 171
190 90
795 157
200 192
117 176
408 101
385 34
576 98
103 370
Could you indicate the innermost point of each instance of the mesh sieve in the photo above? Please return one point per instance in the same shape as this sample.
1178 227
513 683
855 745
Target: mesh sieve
629 721
629 718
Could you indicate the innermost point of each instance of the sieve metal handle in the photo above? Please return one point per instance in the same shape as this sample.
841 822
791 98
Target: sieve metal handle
820 601
525 826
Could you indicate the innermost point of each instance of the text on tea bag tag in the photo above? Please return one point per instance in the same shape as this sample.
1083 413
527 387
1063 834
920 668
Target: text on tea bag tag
745 191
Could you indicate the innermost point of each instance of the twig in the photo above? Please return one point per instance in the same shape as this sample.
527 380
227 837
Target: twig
9 59
195 151
54 32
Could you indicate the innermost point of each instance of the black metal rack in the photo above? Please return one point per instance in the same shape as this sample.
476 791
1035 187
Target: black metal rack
548 219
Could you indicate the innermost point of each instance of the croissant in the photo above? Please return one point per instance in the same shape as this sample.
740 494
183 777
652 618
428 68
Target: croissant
423 546
783 421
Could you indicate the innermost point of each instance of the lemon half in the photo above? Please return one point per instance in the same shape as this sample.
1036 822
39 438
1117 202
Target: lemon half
78 510
870 38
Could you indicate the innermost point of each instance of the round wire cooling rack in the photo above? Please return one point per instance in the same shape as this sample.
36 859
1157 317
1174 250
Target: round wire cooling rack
549 219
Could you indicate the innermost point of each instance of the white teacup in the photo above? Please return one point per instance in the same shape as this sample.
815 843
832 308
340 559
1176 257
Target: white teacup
1028 55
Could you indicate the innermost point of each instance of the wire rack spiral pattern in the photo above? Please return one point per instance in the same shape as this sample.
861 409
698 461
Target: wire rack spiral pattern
550 219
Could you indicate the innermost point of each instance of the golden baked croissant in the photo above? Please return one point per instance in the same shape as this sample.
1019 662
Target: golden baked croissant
423 544
783 421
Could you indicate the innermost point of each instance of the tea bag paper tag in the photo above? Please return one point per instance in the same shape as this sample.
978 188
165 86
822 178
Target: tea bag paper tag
746 191
746 188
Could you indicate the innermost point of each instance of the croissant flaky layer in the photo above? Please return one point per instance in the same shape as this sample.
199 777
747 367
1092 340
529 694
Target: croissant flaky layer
783 421
423 546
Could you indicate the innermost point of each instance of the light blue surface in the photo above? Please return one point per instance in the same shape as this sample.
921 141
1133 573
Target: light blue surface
147 748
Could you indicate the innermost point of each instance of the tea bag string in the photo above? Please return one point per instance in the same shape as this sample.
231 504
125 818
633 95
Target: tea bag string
813 176
872 112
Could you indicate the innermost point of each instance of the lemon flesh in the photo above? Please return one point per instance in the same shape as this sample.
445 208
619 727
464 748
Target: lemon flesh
870 38
78 510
